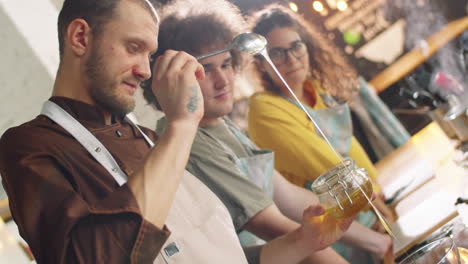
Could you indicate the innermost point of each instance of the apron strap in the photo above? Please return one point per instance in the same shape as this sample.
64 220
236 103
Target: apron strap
86 139
243 139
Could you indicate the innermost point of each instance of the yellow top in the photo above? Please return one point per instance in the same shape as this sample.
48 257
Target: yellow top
300 154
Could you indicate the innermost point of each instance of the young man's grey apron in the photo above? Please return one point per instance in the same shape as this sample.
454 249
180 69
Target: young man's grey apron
202 230
258 168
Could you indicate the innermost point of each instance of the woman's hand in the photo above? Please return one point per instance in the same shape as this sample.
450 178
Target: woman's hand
381 244
381 248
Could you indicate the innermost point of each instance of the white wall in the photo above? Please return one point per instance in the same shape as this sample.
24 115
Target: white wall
28 63
57 3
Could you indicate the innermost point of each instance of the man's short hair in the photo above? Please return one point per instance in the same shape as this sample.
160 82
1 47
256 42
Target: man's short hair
95 12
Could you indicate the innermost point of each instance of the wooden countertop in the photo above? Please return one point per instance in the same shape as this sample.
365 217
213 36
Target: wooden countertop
428 158
412 59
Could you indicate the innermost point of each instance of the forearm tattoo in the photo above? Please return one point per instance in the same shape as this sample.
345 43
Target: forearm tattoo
193 100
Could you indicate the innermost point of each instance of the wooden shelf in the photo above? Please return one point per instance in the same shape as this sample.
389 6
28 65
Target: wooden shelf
412 59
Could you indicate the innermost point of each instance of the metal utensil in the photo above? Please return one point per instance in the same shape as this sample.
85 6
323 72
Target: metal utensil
445 231
248 42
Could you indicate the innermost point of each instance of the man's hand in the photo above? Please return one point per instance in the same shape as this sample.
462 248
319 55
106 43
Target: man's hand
319 230
175 85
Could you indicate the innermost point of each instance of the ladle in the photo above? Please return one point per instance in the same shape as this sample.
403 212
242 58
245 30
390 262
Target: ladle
248 42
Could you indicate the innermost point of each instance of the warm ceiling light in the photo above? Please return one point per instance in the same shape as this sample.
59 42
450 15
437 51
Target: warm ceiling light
342 5
318 6
293 6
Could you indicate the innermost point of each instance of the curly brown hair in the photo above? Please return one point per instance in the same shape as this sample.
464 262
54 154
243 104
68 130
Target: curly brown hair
327 64
194 27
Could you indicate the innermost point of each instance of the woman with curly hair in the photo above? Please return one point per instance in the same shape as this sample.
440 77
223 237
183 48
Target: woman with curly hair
323 81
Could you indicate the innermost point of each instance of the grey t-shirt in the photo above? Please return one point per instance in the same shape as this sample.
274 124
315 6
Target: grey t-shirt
211 163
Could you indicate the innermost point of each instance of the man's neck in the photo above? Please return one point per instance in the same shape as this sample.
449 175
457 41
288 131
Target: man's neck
206 121
71 87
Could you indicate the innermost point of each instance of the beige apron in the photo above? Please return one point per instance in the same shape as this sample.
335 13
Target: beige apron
201 226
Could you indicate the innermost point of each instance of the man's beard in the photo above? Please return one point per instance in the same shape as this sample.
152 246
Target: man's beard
103 89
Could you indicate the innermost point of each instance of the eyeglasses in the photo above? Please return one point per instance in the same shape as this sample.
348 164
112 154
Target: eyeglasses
280 55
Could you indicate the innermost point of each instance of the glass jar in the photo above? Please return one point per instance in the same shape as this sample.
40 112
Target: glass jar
441 251
340 189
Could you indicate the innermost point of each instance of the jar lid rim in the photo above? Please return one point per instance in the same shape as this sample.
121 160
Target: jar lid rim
333 175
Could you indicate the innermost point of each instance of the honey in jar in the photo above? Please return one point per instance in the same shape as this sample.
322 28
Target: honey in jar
359 202
340 189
